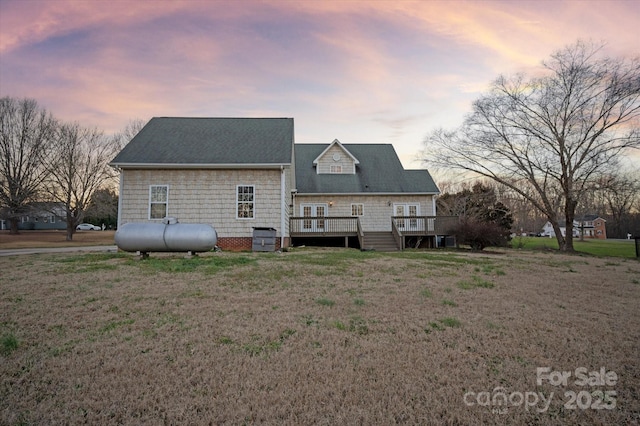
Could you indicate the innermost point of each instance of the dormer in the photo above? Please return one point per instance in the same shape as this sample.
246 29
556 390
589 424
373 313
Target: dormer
336 159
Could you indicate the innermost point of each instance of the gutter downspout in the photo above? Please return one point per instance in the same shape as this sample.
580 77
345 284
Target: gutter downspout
120 185
283 206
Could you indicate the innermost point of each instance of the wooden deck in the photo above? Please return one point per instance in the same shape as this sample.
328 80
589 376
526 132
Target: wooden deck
401 227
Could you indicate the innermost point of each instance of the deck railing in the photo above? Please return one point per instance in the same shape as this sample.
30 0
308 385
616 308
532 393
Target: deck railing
324 226
424 225
397 235
360 234
401 226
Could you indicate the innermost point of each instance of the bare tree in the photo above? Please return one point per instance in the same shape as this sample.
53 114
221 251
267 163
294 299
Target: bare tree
620 192
26 133
130 130
526 218
556 132
103 207
80 168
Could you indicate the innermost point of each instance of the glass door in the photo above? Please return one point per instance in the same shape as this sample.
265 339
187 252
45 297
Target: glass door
313 217
406 210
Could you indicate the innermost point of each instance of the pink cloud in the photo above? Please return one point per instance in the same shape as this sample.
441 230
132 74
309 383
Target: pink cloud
370 70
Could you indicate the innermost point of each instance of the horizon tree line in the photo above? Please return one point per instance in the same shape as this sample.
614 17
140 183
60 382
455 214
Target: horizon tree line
43 159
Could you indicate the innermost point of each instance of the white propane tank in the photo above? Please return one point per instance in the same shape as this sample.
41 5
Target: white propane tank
168 236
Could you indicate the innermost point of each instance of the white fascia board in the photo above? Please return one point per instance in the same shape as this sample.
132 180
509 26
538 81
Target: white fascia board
311 194
198 166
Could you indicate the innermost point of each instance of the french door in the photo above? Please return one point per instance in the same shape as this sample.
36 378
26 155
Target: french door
314 217
406 209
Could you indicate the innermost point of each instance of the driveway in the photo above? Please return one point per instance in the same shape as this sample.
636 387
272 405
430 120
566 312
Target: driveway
17 252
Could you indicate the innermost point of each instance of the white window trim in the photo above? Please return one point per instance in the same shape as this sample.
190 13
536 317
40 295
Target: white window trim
335 169
357 204
166 212
238 202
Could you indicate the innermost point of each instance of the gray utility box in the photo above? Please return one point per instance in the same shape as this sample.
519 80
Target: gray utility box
264 239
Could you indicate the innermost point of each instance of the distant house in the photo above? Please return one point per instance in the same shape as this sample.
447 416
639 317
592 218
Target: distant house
41 216
590 226
239 174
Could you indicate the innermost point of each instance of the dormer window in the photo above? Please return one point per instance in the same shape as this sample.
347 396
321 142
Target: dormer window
336 159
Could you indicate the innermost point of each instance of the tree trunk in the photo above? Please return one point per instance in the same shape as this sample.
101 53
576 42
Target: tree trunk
71 223
13 226
569 215
556 229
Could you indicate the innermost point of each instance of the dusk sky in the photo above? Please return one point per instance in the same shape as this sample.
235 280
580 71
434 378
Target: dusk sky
359 71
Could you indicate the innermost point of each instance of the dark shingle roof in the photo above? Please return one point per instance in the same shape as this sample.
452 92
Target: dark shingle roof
379 171
210 141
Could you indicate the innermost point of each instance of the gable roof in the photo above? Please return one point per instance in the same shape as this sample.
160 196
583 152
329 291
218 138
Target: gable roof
589 218
345 150
379 171
214 142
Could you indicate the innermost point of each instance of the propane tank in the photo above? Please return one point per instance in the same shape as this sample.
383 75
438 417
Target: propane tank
168 236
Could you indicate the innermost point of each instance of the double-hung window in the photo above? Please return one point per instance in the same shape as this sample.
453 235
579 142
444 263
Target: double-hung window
158 201
357 209
245 201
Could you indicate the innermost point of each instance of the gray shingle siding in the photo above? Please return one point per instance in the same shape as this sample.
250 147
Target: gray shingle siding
210 141
379 171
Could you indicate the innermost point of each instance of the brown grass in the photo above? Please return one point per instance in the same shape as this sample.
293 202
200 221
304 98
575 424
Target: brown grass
32 239
313 336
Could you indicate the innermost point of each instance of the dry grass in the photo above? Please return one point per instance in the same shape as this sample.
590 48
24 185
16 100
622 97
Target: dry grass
313 336
31 239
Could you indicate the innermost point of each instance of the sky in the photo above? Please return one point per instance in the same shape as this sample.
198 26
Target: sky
357 71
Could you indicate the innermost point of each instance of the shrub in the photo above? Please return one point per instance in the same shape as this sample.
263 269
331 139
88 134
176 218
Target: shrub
480 234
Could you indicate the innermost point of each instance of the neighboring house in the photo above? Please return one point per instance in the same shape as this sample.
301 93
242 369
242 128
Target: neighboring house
41 216
591 226
239 174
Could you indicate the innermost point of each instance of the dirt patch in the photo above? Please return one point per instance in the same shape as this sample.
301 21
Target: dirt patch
37 239
320 336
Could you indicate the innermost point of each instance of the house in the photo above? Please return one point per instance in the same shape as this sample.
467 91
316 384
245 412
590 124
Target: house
589 226
592 226
38 216
233 173
242 174
366 186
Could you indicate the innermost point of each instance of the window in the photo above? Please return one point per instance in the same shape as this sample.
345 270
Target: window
245 201
158 201
52 219
357 209
335 168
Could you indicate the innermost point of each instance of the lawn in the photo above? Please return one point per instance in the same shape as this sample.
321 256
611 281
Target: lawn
31 239
323 336
613 248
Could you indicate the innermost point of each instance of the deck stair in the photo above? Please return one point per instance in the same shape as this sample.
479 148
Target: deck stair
379 241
